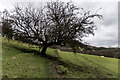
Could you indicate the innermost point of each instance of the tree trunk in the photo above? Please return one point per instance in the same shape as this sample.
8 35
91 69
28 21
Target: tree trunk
44 50
39 48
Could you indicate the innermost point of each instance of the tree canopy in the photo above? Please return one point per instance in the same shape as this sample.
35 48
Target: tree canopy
58 23
6 25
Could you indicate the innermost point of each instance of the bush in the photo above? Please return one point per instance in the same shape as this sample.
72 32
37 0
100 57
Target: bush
61 69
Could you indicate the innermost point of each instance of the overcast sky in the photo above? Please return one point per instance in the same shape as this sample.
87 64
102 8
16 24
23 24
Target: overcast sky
107 28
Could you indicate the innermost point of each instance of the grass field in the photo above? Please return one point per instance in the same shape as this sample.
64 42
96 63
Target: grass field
18 64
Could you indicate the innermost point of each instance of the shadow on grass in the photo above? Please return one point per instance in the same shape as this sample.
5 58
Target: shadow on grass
71 66
28 50
37 53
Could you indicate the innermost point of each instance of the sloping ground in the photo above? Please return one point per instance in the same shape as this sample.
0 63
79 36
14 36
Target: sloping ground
18 64
89 65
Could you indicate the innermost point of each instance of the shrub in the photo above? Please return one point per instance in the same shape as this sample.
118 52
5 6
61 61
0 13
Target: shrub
61 69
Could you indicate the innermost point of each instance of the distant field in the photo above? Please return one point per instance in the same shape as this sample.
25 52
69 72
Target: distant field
18 64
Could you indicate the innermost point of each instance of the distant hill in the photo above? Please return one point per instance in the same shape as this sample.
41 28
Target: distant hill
112 52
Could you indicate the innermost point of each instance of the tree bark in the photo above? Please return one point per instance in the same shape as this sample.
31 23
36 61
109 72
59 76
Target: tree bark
39 48
44 50
48 45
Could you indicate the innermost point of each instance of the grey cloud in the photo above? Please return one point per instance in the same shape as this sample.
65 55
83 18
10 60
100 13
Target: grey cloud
107 29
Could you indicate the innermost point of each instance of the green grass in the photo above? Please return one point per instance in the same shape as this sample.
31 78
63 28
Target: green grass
17 64
91 65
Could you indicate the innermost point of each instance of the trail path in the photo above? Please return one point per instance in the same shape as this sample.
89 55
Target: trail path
54 69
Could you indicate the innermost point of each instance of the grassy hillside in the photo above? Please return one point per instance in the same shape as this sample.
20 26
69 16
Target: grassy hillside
89 65
18 64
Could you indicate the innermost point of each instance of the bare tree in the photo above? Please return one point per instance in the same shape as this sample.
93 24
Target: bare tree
58 23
